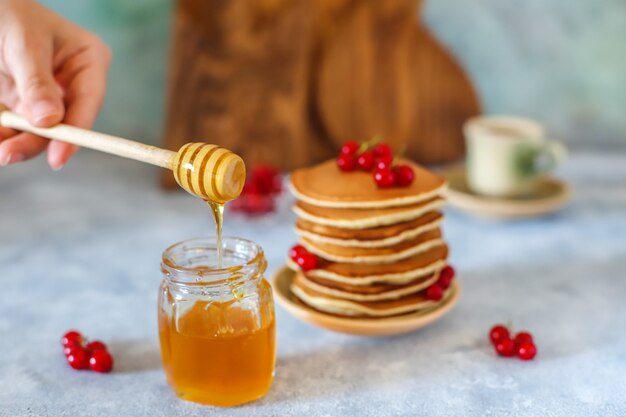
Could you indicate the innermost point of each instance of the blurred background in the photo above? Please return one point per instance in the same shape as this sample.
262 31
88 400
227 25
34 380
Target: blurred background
561 62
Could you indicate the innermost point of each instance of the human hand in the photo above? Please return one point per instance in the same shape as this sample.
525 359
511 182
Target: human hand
51 71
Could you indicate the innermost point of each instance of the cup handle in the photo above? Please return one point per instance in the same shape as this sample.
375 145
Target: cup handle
547 156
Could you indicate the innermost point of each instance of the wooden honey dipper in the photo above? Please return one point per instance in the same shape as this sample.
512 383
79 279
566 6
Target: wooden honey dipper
208 171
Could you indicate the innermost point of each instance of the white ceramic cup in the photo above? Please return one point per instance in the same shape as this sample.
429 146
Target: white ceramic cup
506 154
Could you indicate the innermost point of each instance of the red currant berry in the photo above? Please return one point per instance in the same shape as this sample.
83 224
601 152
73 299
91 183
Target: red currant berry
505 347
296 251
95 345
350 147
385 178
346 162
101 361
448 271
446 276
405 175
384 162
366 161
266 179
526 351
498 333
72 338
307 261
382 149
69 349
78 358
434 292
523 337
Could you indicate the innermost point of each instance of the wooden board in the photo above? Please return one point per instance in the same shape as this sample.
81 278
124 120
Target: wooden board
285 82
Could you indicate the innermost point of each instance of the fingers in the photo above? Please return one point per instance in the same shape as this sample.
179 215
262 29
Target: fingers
20 148
30 61
59 153
6 133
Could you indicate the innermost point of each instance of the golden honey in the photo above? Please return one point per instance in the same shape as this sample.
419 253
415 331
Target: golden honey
217 333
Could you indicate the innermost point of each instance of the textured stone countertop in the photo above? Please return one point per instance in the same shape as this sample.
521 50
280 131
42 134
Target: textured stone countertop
81 248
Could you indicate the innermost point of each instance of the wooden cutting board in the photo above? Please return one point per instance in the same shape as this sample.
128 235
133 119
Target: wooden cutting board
286 82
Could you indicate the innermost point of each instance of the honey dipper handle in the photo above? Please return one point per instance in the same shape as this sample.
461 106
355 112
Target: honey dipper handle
90 139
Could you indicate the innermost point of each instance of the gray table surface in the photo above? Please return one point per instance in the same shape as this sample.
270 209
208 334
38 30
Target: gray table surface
80 248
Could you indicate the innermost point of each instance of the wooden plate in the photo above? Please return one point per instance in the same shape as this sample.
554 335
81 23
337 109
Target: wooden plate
281 282
549 196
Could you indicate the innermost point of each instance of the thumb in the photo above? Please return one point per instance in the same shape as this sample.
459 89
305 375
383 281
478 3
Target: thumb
40 97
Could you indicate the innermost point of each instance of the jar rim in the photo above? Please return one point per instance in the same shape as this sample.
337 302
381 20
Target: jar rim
256 258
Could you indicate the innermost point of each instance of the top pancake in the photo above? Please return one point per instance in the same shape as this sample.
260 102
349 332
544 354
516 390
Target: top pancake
325 185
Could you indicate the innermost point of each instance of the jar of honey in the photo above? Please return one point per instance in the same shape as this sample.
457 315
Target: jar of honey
216 321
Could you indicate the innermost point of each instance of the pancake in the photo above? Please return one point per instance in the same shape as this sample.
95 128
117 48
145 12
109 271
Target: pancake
359 218
324 185
369 238
367 293
383 255
329 304
397 273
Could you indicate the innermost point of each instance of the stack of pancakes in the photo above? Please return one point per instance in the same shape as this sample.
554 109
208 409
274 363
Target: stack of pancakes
378 249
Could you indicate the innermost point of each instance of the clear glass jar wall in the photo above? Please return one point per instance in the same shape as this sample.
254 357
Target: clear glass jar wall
216 325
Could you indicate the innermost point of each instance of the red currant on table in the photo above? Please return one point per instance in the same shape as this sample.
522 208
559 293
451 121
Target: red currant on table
266 179
505 347
498 333
385 178
366 161
526 351
68 350
350 147
434 292
523 337
95 345
72 338
101 361
446 276
384 162
382 149
404 175
296 251
307 261
78 358
346 162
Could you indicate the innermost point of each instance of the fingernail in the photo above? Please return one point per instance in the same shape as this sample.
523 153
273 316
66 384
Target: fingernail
11 158
44 110
56 165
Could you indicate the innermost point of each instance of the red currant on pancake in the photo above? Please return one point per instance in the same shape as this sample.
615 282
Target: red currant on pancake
382 149
307 261
434 292
350 147
366 161
384 162
404 175
346 162
385 178
296 251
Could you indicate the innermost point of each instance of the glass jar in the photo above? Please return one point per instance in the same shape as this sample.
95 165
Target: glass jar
216 325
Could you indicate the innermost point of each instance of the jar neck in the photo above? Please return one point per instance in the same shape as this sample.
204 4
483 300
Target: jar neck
192 265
